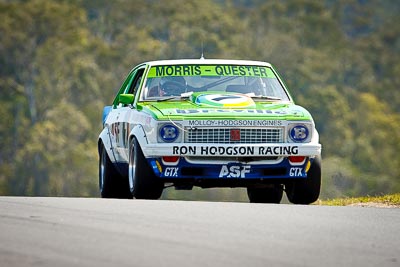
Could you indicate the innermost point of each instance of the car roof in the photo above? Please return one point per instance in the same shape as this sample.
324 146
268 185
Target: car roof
207 62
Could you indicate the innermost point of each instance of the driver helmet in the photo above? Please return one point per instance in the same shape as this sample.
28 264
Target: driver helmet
172 85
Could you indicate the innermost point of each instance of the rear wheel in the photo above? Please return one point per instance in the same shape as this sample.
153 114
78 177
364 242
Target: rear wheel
142 181
271 194
111 183
306 191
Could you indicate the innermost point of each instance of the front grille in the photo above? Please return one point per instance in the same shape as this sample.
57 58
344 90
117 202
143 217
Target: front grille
223 136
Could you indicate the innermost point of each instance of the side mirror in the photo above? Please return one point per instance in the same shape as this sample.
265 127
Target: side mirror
126 99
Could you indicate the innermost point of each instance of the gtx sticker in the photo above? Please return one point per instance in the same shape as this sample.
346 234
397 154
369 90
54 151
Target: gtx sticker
296 172
234 171
171 172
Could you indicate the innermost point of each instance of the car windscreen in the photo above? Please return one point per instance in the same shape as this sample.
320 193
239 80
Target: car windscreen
175 80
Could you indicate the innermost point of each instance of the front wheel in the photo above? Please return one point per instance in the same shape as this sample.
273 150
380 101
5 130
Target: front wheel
142 181
271 194
111 183
306 191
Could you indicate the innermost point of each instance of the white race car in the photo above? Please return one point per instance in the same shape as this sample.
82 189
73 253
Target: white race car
208 123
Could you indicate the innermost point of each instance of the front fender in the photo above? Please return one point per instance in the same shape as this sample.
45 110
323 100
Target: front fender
139 133
315 137
105 141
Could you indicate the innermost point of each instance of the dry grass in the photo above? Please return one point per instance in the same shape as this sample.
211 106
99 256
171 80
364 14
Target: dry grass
375 201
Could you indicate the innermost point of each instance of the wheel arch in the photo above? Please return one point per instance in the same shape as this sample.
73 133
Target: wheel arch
139 133
105 142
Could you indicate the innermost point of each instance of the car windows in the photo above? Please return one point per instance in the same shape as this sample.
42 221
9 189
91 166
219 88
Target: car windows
173 80
134 86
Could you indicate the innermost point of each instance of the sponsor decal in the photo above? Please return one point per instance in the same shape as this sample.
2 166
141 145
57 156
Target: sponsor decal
171 172
235 150
286 151
219 100
234 171
243 111
184 150
115 129
210 70
236 123
296 172
159 166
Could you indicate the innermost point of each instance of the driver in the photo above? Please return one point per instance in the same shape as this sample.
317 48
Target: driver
169 86
172 86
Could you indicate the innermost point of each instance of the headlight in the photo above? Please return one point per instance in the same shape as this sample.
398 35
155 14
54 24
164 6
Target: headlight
300 133
168 133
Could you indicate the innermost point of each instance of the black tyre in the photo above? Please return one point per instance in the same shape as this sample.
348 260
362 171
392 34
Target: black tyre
142 181
111 183
265 195
306 191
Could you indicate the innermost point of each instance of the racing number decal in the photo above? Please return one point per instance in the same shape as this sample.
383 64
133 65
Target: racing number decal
125 133
119 131
115 131
234 171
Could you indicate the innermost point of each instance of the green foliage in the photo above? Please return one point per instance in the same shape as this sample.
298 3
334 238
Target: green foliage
61 61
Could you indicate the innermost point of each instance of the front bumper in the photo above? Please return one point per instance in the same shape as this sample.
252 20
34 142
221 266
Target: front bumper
231 150
185 169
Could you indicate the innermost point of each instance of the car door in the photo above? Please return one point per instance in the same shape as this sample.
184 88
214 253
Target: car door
125 116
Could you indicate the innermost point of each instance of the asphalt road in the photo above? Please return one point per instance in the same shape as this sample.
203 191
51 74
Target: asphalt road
99 232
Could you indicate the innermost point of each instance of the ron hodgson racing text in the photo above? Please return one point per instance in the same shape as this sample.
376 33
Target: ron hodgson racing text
235 150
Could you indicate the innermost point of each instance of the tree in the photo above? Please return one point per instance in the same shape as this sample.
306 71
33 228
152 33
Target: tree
66 59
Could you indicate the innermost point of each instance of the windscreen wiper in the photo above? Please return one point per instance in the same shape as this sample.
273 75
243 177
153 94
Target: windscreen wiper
167 98
265 97
182 96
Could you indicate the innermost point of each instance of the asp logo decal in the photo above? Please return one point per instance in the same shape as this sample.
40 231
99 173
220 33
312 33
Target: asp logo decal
234 171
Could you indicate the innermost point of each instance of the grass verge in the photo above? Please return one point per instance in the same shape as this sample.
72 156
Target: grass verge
386 200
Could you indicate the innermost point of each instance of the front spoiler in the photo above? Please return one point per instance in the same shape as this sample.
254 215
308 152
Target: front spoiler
233 170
